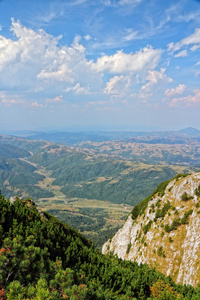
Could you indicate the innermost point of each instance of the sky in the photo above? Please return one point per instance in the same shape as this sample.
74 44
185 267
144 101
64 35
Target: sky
99 64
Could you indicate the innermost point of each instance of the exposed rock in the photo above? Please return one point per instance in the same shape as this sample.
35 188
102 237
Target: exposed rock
29 203
166 235
14 198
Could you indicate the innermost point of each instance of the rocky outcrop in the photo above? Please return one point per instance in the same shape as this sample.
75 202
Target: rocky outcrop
29 203
164 231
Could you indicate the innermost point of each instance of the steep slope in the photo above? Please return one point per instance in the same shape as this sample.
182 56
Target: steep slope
41 258
163 230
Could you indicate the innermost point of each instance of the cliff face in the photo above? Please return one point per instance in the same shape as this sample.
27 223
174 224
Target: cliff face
165 234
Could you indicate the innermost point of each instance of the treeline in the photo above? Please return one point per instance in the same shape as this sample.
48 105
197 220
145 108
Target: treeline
42 258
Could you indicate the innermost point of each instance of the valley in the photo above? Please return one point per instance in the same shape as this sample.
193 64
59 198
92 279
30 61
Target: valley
92 186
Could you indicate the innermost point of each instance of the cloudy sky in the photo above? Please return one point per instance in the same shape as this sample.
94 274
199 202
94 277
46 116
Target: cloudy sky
99 64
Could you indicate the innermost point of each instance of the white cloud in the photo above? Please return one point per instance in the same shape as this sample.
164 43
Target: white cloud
178 90
116 3
87 37
172 47
127 2
121 62
155 77
9 100
182 53
190 40
130 35
118 85
78 90
55 99
34 60
95 103
36 105
195 47
187 101
188 17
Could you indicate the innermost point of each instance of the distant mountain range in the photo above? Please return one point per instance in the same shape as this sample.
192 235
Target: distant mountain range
74 138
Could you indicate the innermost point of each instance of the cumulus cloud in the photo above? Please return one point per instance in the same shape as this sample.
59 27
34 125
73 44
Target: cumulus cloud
78 90
178 90
36 105
121 62
154 77
186 101
118 85
87 37
34 59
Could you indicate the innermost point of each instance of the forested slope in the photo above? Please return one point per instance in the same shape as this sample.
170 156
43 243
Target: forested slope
41 258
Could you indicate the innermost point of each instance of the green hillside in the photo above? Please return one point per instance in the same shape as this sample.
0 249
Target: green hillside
10 151
91 192
19 177
42 258
82 176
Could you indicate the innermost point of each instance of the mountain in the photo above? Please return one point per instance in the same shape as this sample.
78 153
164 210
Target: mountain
163 230
190 131
92 189
153 137
42 258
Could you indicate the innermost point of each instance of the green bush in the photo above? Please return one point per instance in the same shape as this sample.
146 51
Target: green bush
128 248
186 197
185 218
197 191
147 226
160 252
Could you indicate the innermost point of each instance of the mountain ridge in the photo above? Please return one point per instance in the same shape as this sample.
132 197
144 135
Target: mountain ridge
163 231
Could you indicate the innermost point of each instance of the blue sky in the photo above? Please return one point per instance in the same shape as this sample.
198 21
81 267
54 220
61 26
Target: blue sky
101 64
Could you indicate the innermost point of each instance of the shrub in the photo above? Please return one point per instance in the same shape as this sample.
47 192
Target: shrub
128 248
175 224
147 226
167 228
163 290
139 209
185 218
162 212
185 197
160 252
197 191
180 176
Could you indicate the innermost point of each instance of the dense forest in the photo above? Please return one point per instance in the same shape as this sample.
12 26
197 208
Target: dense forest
42 258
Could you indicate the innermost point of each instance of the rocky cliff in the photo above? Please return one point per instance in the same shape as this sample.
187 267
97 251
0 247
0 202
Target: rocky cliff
164 230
